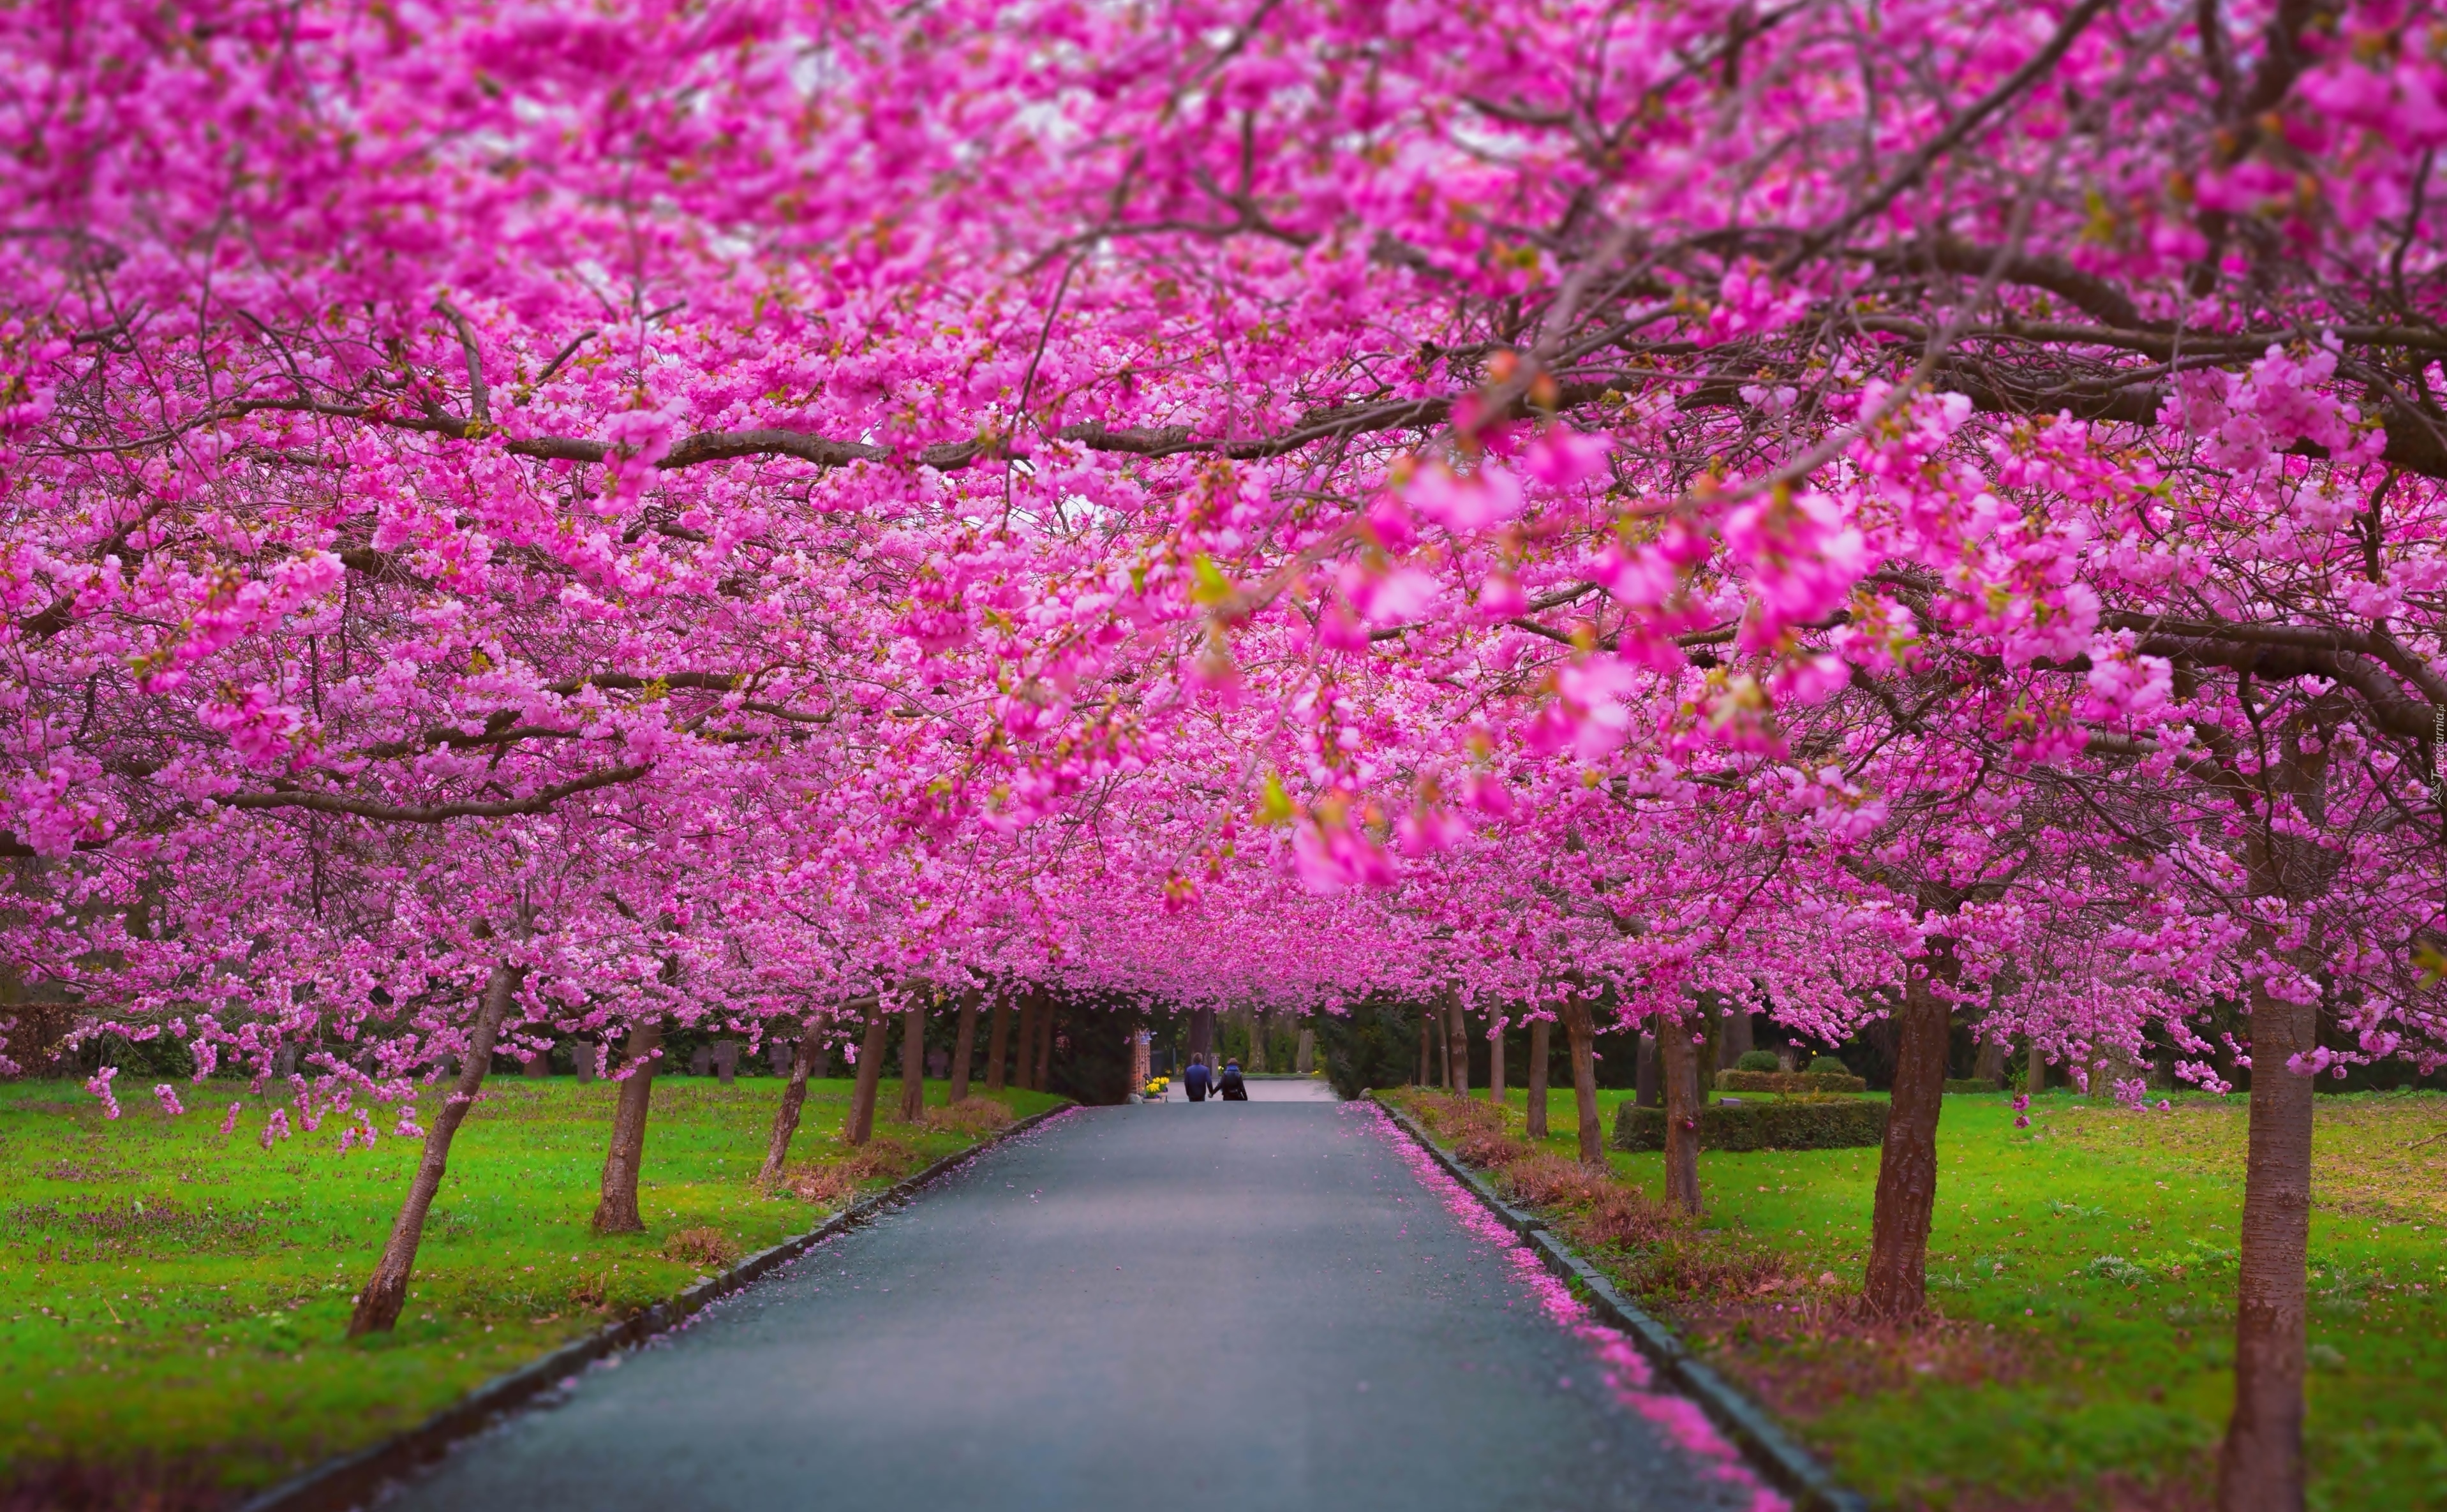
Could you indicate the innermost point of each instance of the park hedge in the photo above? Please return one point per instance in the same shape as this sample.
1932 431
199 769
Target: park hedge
1794 1124
1787 1082
1971 1083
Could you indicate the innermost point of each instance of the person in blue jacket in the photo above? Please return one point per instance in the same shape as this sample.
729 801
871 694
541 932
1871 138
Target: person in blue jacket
1198 1078
1232 1090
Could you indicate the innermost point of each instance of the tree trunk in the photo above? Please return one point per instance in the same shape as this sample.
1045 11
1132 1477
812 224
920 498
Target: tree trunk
794 1098
998 1044
1735 1039
2260 1466
1677 1066
1045 1015
1536 1125
1897 1284
1989 1064
1457 1043
870 1074
1495 1063
1643 1072
386 1293
1304 1059
1424 1016
1256 1042
964 1044
616 1205
1583 1034
913 1058
1201 1035
2035 1076
1024 1053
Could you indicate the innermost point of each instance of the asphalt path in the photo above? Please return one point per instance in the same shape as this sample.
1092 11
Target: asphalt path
1249 1305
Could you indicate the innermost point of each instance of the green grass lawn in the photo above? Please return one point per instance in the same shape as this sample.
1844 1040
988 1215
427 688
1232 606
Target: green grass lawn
2084 1274
173 1300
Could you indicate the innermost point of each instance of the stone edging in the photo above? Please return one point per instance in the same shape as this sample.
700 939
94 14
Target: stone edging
356 1479
1793 1468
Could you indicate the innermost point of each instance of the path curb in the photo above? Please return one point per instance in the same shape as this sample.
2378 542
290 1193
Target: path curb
356 1479
1793 1468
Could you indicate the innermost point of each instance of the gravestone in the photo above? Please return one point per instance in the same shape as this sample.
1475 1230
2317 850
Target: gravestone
539 1064
284 1065
939 1062
777 1055
582 1059
701 1060
1644 1079
725 1060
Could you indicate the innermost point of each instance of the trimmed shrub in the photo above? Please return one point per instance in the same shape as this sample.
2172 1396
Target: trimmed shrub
1787 1082
1971 1083
1757 1060
1828 1066
1789 1124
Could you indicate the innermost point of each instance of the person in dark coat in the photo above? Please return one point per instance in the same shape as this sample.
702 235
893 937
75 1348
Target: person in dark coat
1198 1078
1235 1090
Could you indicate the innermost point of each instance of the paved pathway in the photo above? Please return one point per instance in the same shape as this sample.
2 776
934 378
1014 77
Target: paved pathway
1171 1306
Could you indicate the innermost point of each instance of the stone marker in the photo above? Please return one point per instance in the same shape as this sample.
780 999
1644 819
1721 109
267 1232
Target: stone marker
725 1060
581 1057
777 1055
538 1065
939 1062
701 1060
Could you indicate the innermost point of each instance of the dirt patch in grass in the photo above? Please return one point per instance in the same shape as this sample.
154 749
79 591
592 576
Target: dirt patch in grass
971 1115
1803 1346
709 1249
833 1183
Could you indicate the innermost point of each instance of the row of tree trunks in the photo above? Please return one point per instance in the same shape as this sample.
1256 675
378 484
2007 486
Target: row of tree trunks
1536 1123
1456 1046
1043 1080
1423 1051
615 1204
1495 1066
386 1293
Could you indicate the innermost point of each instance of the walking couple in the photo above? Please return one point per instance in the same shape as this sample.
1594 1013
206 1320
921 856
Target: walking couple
1225 1085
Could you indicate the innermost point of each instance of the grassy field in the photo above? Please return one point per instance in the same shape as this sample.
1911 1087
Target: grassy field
173 1300
2083 1272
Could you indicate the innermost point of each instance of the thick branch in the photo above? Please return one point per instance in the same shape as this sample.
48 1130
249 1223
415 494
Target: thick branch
437 813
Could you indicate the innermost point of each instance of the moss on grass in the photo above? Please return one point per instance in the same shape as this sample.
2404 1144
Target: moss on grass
2083 1276
173 1300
